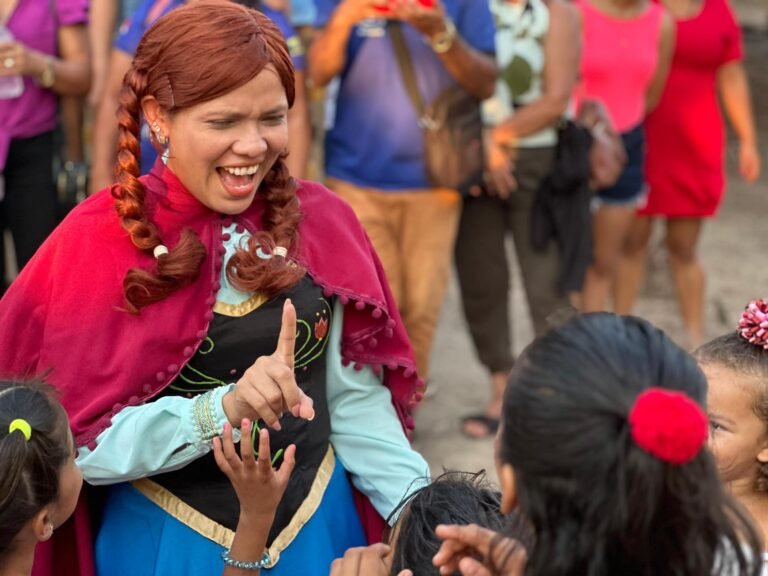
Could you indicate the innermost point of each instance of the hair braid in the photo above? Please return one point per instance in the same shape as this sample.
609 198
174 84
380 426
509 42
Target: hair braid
246 269
130 192
280 220
182 264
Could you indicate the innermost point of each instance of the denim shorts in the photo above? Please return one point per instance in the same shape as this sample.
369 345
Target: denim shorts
630 188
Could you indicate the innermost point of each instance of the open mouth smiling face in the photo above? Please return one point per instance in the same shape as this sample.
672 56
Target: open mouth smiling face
222 149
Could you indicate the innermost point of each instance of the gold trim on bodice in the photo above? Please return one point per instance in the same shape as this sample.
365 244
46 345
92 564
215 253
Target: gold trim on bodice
215 532
242 309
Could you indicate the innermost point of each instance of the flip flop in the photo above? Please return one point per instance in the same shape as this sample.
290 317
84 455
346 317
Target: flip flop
490 423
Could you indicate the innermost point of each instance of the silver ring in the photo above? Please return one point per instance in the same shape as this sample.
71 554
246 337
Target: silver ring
9 62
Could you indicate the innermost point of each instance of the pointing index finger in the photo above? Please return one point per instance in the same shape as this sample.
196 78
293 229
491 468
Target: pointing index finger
286 342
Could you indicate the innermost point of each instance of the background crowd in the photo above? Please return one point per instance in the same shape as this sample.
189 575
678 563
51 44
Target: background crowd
533 63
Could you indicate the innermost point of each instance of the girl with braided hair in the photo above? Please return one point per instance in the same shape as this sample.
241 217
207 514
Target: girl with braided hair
212 290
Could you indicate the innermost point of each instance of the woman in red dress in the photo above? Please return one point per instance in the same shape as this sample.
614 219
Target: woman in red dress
686 146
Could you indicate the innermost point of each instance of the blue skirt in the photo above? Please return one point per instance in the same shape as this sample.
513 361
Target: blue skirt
138 538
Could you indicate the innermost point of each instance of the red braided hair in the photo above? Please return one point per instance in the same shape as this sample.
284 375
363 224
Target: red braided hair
195 54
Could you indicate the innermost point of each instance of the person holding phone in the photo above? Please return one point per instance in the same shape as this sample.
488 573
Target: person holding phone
374 149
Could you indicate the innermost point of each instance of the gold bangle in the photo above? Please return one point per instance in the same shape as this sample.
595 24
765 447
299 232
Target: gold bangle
47 77
442 41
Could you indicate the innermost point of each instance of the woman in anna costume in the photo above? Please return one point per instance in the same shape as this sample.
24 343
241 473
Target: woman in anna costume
217 288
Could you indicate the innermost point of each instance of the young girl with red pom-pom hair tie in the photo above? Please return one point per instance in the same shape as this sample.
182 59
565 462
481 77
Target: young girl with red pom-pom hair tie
602 453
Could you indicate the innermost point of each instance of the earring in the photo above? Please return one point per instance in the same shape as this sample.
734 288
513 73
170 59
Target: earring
48 531
159 136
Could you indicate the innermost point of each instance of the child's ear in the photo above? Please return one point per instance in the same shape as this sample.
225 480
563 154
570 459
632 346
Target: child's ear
508 488
762 456
42 525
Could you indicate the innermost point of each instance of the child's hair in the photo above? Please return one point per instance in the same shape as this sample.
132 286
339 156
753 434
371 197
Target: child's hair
736 352
598 502
452 498
29 468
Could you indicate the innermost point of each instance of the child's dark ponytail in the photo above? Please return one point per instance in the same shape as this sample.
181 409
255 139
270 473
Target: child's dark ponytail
34 447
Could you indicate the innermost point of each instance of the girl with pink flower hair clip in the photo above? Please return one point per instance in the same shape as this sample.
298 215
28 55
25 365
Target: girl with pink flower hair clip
736 366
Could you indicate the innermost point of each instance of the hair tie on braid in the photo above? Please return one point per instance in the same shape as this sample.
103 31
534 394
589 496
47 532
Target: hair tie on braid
160 250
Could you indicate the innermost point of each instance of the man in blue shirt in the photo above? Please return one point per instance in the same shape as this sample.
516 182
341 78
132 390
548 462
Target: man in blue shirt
374 151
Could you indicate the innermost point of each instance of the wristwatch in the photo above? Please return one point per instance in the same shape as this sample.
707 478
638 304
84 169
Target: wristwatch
47 77
443 41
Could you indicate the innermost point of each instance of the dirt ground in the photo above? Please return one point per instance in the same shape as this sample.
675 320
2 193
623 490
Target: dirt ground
734 251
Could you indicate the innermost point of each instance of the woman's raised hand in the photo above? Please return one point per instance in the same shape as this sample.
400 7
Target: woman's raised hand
268 388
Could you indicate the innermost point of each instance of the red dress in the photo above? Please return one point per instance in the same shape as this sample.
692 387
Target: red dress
685 134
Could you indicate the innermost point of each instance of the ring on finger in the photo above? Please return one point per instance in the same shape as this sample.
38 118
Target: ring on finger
9 62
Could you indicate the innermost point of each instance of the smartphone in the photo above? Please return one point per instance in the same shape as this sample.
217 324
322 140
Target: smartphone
385 9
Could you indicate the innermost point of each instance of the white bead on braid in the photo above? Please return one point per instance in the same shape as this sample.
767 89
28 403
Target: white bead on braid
160 250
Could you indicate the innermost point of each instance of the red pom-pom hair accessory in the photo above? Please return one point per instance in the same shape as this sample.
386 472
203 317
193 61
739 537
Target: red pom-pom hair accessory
753 325
669 425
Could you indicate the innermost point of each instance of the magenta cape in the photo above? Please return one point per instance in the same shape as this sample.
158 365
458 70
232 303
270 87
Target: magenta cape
63 317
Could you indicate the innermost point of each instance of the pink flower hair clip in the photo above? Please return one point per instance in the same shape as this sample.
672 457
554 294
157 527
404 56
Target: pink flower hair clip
753 326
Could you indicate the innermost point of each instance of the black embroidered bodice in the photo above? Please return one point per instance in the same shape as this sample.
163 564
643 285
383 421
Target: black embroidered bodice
233 344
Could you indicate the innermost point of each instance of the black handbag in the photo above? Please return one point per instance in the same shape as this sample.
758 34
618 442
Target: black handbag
453 129
70 177
71 182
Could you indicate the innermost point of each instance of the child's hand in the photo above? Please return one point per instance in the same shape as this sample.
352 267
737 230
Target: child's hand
258 486
475 551
365 561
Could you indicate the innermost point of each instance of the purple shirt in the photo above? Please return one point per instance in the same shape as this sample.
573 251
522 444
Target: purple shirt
34 24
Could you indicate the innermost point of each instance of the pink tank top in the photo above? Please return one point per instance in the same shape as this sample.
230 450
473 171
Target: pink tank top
618 61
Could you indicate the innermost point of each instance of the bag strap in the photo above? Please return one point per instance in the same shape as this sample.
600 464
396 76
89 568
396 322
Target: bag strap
405 64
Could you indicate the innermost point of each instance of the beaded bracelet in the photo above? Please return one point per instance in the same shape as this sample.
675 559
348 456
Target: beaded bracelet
265 562
203 417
